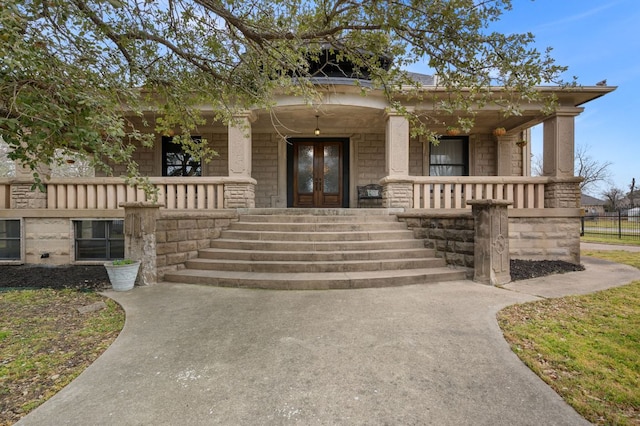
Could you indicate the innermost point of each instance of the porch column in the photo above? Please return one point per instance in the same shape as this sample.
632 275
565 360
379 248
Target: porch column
558 160
240 193
397 189
506 146
559 143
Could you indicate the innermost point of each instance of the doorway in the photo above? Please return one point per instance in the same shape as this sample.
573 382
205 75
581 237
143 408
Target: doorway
317 173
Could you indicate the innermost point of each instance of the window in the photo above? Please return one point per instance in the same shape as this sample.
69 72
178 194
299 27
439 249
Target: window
176 162
99 239
449 158
10 239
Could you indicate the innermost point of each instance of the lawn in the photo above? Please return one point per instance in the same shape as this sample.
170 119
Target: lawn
587 348
45 342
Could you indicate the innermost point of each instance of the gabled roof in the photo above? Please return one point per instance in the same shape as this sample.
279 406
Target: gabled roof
587 200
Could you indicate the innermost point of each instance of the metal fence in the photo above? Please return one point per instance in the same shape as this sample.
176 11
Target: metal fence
615 225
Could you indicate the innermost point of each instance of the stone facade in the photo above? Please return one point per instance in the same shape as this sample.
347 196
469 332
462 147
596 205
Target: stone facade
23 197
265 168
397 194
562 193
450 234
180 235
543 238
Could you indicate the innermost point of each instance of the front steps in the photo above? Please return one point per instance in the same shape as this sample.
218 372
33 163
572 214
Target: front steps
295 249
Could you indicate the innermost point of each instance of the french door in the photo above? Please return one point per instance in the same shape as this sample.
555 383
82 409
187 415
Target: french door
318 175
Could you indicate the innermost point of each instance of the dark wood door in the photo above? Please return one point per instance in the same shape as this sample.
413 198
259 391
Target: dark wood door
317 174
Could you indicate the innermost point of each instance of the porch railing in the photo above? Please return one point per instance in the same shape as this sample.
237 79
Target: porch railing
454 192
108 193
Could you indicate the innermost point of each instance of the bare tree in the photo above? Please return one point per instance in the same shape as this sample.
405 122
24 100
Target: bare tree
614 196
592 171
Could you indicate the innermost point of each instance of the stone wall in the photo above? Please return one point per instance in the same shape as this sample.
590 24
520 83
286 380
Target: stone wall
533 235
451 235
47 241
265 168
545 238
370 163
483 155
179 236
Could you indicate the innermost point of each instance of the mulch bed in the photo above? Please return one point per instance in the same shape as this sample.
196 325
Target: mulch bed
80 277
526 269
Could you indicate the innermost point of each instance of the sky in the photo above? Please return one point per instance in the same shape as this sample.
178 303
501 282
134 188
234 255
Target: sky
597 40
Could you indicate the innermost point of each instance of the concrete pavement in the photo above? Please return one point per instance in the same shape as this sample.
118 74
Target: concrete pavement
419 355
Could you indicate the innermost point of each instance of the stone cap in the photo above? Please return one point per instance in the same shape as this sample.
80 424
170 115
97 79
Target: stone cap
489 203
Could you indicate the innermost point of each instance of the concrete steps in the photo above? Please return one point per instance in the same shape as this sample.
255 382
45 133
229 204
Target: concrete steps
315 249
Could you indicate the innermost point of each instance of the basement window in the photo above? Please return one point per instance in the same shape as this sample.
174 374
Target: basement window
10 239
99 239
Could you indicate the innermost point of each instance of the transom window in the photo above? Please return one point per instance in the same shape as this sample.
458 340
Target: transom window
10 239
450 157
99 239
176 162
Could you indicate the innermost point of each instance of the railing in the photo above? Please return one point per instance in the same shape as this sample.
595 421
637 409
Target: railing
454 192
615 225
108 193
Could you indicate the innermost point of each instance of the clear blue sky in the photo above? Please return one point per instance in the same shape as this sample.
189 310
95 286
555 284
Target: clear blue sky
597 40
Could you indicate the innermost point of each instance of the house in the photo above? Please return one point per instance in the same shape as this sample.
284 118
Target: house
592 206
317 158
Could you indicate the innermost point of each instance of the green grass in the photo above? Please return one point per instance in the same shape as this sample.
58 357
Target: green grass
601 239
45 343
587 348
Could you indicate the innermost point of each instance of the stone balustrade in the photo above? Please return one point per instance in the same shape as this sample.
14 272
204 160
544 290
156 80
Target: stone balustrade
102 193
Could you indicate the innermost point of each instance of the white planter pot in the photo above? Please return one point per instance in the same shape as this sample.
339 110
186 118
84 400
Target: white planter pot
122 277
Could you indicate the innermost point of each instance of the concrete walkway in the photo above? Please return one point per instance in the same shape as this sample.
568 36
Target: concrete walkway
415 355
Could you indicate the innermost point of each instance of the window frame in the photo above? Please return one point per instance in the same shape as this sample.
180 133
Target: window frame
20 256
465 154
168 147
107 239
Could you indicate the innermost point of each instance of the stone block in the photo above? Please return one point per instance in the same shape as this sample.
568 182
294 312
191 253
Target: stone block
177 235
176 258
166 248
186 224
186 246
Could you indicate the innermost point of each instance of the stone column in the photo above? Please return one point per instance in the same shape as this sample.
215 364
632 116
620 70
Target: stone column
240 191
140 238
491 251
397 189
559 143
506 145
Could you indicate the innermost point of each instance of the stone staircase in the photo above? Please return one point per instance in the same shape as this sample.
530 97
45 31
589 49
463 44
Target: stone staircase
304 249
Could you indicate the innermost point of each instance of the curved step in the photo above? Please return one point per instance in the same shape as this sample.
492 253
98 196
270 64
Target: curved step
316 245
314 281
316 236
314 267
314 256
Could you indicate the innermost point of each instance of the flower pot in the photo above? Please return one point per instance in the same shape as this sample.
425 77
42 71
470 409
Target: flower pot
122 277
452 131
499 131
